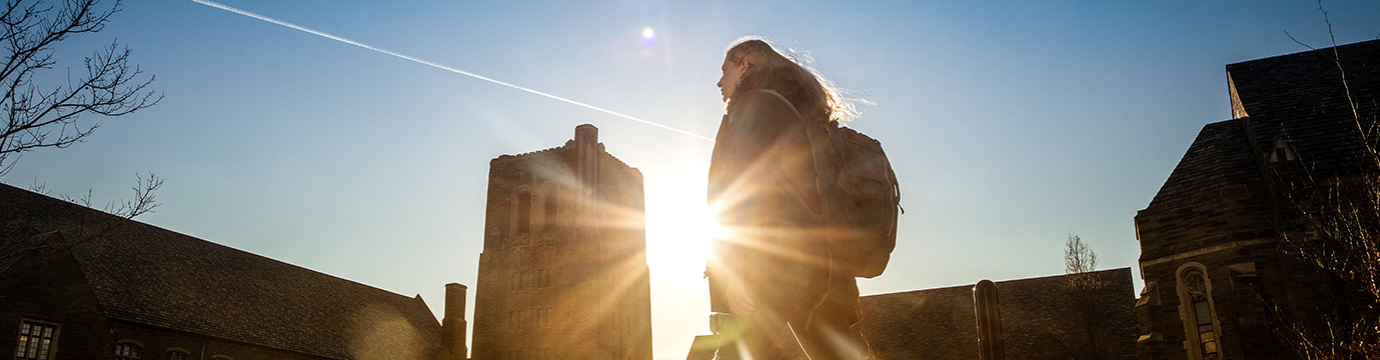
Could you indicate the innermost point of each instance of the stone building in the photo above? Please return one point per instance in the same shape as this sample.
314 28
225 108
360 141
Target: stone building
76 283
1209 239
563 273
1046 318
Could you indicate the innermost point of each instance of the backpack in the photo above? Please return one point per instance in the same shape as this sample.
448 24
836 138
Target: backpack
861 197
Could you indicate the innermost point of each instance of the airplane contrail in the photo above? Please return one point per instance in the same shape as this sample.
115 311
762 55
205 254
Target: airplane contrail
442 67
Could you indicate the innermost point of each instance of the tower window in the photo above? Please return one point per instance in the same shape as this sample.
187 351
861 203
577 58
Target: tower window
524 212
550 207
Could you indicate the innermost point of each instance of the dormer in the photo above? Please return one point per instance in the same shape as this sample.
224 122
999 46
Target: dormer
1283 151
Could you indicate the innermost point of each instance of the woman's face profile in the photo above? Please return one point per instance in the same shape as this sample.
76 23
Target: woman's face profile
731 74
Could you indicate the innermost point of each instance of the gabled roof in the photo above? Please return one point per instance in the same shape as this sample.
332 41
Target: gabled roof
1302 98
941 323
151 276
1219 158
1298 100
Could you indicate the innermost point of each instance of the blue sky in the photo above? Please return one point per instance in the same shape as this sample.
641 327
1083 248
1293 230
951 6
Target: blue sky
1010 123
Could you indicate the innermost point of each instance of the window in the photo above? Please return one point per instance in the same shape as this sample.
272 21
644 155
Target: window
524 212
549 207
516 283
36 340
176 354
543 317
543 278
1282 151
1242 275
1200 327
126 350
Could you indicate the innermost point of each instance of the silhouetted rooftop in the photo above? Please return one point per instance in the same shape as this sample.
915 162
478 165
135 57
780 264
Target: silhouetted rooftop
1297 99
152 276
1038 315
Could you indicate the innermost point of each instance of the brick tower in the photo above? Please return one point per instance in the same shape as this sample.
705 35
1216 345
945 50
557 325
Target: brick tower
563 273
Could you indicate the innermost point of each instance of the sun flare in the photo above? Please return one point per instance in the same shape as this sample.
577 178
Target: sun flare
679 228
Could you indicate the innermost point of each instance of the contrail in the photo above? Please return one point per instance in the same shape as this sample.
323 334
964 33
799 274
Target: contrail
442 67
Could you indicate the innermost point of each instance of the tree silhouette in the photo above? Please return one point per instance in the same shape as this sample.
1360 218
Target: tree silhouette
48 114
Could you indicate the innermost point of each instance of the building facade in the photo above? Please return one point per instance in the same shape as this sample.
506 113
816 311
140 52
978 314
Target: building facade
77 283
1217 283
1085 316
563 273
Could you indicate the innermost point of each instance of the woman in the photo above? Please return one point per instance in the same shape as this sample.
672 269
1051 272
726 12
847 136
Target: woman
773 276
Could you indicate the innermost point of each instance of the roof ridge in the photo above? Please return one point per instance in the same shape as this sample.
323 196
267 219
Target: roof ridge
1313 52
1047 277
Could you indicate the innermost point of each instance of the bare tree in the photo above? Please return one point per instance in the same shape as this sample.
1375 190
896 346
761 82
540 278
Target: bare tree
43 111
1082 286
1337 230
1078 257
41 115
1335 226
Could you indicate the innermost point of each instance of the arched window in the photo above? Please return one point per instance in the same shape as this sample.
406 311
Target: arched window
549 206
1196 309
178 354
127 350
546 207
522 211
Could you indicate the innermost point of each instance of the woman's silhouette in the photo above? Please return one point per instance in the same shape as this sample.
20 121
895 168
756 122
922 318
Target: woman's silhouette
772 276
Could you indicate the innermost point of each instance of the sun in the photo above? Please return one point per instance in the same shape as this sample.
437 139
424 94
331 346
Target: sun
679 228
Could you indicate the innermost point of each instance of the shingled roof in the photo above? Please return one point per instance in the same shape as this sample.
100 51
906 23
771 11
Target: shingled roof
147 275
1299 100
1303 99
1219 158
1037 315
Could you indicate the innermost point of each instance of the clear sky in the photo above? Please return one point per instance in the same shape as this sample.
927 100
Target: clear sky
1010 123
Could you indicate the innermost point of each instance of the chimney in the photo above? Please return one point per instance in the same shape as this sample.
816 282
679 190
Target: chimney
453 325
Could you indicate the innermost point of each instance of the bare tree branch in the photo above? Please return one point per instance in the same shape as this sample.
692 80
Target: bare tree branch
38 116
1296 41
112 216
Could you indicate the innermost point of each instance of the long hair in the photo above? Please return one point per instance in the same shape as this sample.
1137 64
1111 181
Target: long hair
813 96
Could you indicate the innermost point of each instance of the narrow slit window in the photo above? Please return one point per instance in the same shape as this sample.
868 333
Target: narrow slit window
524 212
1202 315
